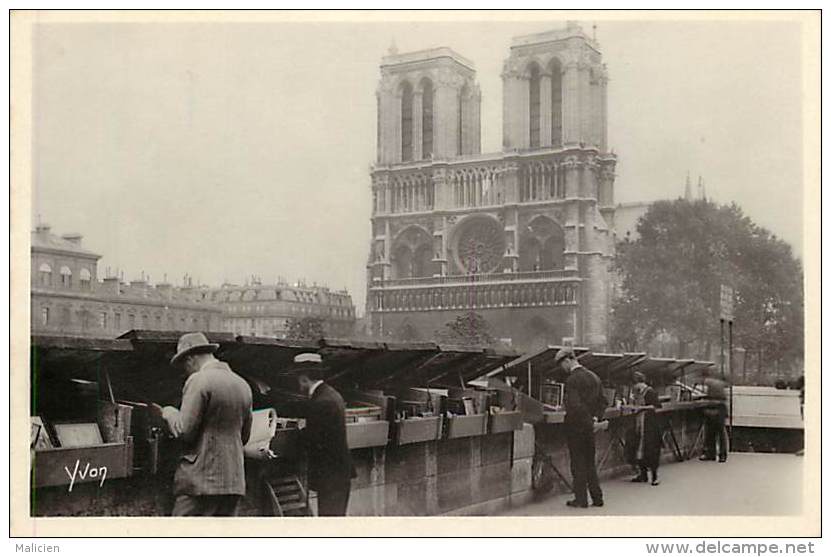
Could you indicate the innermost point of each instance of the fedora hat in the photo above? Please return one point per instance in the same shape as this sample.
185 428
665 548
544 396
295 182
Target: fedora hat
192 343
562 354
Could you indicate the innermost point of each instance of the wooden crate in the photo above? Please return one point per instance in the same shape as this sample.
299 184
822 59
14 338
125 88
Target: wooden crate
52 467
417 430
367 434
467 426
505 421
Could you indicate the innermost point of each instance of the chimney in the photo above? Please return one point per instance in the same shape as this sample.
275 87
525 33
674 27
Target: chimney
110 286
73 238
139 286
165 288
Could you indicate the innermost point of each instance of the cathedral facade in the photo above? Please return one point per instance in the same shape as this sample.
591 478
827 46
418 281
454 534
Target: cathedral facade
523 237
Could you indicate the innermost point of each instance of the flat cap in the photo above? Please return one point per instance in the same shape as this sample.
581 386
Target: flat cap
308 358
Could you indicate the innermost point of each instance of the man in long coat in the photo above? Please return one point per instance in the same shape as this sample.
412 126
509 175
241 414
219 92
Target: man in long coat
214 423
330 461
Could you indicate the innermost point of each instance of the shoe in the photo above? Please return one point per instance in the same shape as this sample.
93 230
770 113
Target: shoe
577 504
656 481
723 459
639 479
705 457
597 503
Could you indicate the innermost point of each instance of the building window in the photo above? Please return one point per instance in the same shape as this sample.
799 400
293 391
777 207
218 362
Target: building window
102 320
460 121
556 103
44 316
426 119
45 274
534 106
117 319
131 321
86 278
66 277
406 122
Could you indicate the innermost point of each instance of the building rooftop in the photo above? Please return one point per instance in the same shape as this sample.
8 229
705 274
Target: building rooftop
571 29
44 239
280 291
395 59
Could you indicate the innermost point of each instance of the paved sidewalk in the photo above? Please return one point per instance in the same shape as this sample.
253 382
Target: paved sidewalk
747 484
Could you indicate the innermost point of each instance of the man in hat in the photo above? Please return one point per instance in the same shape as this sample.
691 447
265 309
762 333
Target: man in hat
583 399
213 423
330 462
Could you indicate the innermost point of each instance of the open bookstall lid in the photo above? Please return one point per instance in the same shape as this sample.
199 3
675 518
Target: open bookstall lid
612 368
138 362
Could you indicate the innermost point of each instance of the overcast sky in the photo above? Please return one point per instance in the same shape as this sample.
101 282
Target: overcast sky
225 150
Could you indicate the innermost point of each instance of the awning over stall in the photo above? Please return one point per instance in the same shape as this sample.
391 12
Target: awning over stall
611 368
138 362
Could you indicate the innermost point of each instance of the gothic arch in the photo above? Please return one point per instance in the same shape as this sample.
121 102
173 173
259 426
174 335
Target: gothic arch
555 68
529 66
412 253
427 103
406 94
541 245
534 103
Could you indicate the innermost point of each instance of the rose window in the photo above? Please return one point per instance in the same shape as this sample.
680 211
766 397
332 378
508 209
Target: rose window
480 246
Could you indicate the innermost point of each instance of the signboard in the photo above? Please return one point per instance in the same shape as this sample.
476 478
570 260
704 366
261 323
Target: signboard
726 305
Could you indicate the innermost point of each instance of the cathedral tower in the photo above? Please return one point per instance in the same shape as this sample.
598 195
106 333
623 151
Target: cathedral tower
524 236
428 107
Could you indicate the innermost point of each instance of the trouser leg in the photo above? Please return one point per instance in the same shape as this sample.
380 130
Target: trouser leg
721 432
188 505
591 469
333 499
227 505
710 425
578 468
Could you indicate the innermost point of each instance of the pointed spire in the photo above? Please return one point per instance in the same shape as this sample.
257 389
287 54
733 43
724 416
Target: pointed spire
688 188
700 188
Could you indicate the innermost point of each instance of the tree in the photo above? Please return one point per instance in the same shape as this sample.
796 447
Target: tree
406 332
307 328
670 279
468 329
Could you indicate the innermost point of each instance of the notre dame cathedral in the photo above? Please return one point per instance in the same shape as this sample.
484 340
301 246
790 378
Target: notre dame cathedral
524 237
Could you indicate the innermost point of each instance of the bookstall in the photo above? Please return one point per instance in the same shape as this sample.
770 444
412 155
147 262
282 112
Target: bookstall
537 376
403 403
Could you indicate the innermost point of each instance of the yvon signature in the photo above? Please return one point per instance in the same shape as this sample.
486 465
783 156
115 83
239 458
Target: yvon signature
87 471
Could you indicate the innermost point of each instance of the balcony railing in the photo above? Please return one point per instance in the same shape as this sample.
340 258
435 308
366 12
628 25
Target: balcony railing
482 181
556 274
494 295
